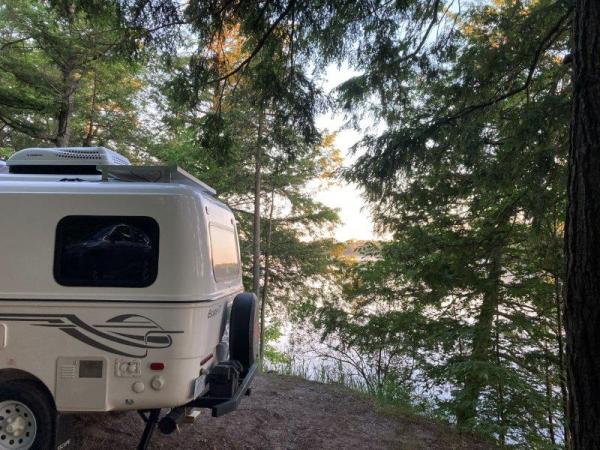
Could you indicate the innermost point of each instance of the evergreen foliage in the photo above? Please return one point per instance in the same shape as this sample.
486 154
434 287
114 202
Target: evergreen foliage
67 74
469 176
461 311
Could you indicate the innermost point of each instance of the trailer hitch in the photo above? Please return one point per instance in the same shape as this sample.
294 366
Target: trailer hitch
219 405
223 405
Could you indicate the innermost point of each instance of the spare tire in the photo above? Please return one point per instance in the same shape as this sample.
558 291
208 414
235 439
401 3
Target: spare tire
243 330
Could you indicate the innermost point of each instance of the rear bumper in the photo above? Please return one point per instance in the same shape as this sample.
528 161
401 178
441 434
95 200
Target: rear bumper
221 406
218 405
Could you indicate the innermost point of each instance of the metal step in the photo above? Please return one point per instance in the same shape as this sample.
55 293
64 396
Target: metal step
191 415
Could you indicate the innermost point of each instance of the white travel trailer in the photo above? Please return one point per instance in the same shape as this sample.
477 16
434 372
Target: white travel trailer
120 289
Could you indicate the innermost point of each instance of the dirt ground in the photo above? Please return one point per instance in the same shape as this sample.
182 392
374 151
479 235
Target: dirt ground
282 413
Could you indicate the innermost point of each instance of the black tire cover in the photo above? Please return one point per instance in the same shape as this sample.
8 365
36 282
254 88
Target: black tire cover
243 330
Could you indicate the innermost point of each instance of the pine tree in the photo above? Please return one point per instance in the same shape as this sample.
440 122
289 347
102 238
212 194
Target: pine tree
67 73
253 137
469 177
583 279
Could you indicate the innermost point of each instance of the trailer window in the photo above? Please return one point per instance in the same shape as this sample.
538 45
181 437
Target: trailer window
108 251
225 254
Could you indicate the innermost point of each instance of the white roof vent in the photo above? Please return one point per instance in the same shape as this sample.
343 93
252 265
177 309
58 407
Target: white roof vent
73 160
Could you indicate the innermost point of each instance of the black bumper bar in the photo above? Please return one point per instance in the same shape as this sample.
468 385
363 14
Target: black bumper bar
221 406
218 405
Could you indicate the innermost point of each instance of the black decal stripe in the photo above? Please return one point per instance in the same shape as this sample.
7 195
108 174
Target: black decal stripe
124 318
33 318
72 325
131 336
81 324
150 341
106 336
162 340
149 338
86 340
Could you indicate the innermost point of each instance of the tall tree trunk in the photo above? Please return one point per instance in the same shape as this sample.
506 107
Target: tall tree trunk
87 142
69 86
582 237
67 103
256 223
475 380
500 391
265 289
558 296
548 383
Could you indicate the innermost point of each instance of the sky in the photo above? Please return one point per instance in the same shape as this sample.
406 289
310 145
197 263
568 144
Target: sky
356 222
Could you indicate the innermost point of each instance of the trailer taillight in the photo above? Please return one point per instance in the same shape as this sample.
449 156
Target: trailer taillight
157 366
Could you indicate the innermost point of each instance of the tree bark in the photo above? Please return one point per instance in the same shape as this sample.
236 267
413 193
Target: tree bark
582 234
549 406
265 289
256 222
500 391
475 379
89 137
562 375
67 103
69 87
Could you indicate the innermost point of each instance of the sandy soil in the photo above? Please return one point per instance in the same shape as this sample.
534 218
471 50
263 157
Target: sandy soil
282 413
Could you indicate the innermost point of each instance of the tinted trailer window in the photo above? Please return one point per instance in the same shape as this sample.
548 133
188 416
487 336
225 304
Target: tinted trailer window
225 254
107 251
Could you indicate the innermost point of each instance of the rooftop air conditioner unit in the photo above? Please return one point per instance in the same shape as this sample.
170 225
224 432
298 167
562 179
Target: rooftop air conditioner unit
64 160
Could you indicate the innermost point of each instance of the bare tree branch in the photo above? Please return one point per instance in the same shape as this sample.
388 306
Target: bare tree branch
7 44
259 45
544 44
433 21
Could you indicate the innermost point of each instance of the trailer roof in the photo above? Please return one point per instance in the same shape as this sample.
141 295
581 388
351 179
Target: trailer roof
153 174
118 173
90 164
